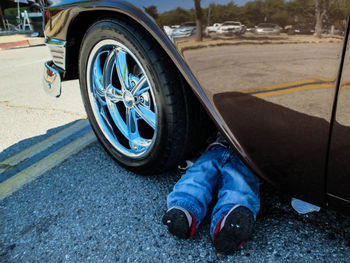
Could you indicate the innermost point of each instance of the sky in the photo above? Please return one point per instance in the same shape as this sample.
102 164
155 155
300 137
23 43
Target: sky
163 4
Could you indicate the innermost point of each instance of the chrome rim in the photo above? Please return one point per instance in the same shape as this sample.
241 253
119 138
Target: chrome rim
122 98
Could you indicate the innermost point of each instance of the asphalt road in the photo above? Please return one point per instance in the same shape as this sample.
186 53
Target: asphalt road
89 209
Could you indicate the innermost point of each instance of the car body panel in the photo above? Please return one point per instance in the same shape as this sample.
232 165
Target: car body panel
338 181
270 96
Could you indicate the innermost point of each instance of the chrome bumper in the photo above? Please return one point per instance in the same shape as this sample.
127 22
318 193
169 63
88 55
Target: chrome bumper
52 80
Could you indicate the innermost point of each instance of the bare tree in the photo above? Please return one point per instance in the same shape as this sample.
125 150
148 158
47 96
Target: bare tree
198 9
321 7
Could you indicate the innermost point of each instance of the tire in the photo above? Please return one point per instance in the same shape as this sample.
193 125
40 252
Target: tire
144 121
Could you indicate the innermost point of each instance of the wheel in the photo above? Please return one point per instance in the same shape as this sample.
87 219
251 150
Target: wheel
134 97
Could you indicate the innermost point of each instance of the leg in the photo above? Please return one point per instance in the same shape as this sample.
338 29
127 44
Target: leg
238 196
193 192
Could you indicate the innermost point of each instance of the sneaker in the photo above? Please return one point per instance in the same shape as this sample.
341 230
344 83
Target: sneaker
233 229
180 222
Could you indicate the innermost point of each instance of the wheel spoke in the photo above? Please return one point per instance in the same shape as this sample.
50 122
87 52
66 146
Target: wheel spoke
136 142
108 68
131 123
147 115
122 69
141 87
117 119
98 77
112 94
104 116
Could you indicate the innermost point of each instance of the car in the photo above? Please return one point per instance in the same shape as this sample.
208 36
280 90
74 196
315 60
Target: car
231 27
184 30
152 103
333 31
301 29
267 28
170 29
214 27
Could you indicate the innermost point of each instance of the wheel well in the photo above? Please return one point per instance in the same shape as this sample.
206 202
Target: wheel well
77 30
76 34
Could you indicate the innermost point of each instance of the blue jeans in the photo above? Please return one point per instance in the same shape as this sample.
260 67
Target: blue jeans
218 171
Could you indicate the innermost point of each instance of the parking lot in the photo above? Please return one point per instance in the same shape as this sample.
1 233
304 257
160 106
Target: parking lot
89 209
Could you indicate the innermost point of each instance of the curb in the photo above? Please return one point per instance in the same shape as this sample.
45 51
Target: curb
22 43
9 45
185 46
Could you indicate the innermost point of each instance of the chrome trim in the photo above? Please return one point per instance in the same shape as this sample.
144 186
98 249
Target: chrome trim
58 51
51 80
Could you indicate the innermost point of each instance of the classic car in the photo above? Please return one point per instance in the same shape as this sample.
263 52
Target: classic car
284 107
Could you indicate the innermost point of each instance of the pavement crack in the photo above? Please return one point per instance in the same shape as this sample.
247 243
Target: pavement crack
8 105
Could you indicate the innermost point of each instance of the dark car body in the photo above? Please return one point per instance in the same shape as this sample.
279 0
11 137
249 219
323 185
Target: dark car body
284 108
301 29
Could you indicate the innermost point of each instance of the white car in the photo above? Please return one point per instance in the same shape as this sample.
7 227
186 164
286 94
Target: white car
185 30
214 27
231 27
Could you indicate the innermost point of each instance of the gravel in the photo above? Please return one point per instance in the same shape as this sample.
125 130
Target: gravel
89 209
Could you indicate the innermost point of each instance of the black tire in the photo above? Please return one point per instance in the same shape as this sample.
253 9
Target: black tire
171 107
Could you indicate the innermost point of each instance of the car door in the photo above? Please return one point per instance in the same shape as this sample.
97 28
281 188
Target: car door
338 176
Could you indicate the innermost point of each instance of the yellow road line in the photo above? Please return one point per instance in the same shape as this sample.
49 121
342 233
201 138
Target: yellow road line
41 146
28 175
284 85
267 91
291 90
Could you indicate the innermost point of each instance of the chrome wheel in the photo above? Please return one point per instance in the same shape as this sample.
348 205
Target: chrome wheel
122 98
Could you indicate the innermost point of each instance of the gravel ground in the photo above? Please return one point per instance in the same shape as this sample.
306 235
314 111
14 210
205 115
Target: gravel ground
89 209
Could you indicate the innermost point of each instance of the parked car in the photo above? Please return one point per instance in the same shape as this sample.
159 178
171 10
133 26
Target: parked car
213 28
334 31
300 29
268 28
184 30
231 27
151 102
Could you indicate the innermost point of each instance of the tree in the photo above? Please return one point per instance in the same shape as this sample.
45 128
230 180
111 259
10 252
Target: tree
253 13
198 10
321 7
275 11
301 11
152 11
174 17
338 13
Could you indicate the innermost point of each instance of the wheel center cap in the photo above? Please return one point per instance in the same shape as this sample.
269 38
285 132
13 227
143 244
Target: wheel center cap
128 99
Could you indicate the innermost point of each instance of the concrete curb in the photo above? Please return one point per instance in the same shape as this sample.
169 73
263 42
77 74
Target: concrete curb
22 43
185 46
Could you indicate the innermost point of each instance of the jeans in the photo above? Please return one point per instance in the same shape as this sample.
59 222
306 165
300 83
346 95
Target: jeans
218 171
